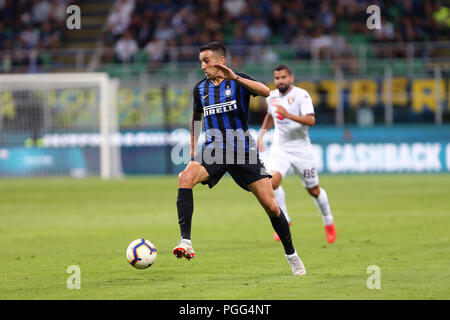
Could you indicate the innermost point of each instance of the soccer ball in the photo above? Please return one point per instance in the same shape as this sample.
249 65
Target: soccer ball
141 253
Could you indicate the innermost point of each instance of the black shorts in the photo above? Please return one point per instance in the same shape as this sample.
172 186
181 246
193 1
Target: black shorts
243 174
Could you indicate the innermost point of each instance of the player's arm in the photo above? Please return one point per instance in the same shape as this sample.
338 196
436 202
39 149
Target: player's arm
266 125
309 119
196 121
306 108
255 87
196 129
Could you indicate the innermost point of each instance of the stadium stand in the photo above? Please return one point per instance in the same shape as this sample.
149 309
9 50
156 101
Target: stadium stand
32 32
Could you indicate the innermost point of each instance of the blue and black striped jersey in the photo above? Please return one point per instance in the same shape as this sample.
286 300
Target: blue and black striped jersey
225 110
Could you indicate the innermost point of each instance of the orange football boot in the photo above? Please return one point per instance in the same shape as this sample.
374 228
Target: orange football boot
330 232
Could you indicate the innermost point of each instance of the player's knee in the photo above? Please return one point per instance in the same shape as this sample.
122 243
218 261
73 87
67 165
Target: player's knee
276 179
314 192
275 184
185 180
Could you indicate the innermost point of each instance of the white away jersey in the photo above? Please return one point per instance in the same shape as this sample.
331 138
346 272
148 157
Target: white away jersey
290 135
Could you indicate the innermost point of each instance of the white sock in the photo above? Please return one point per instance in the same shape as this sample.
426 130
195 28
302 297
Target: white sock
324 208
280 196
188 241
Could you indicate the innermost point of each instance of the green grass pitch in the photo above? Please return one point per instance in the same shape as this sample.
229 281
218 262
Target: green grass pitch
397 222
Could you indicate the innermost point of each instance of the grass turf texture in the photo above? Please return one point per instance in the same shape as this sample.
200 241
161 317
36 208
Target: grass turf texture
398 222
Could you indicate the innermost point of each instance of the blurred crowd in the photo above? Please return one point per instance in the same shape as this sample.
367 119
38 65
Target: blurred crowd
312 27
28 27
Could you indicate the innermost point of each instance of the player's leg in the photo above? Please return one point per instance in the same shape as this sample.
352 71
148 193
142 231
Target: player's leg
306 169
193 174
279 165
278 190
320 198
280 197
255 178
262 189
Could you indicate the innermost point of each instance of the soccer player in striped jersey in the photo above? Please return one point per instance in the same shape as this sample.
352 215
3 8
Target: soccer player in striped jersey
222 98
291 110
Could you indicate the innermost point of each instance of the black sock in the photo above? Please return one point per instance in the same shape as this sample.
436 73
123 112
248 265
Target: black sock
281 227
185 206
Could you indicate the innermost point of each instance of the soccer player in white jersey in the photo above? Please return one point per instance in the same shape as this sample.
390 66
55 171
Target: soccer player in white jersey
291 110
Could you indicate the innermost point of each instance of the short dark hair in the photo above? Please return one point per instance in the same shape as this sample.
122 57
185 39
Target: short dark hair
283 67
215 47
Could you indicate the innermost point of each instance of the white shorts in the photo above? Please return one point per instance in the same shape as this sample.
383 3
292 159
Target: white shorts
304 166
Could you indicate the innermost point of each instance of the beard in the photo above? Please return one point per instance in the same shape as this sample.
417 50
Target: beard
283 89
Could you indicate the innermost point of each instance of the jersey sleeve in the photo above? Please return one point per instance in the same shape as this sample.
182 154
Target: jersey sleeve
197 103
306 105
246 76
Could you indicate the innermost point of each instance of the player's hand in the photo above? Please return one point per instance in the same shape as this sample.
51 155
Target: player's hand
281 111
225 72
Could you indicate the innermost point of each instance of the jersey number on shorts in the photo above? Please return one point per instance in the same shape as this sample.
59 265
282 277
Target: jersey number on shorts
309 174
